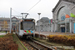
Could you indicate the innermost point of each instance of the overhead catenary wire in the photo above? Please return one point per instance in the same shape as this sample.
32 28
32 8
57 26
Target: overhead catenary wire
27 10
33 6
15 11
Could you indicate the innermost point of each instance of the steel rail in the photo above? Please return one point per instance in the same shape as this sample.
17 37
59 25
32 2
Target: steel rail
39 46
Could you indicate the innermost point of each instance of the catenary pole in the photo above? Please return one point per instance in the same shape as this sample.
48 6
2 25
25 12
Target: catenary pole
10 18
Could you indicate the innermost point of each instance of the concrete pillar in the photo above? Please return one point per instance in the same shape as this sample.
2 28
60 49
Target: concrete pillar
52 27
70 25
55 27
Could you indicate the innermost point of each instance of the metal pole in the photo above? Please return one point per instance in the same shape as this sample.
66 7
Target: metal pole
65 22
39 24
70 23
10 18
70 20
4 23
22 16
65 25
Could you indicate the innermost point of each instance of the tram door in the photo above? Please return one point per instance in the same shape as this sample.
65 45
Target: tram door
62 29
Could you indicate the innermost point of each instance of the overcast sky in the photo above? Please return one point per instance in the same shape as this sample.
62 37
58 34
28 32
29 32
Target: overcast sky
22 6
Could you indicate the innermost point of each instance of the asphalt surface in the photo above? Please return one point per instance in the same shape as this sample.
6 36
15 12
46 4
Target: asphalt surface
2 33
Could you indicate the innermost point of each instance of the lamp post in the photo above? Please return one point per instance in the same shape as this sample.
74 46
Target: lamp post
39 23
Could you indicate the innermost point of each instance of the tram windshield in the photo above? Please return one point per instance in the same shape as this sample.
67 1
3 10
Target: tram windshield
28 25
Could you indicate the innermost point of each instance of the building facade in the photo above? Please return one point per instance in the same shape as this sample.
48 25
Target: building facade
14 22
5 23
60 23
43 24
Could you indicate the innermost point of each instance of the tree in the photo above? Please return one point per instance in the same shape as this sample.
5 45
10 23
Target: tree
5 24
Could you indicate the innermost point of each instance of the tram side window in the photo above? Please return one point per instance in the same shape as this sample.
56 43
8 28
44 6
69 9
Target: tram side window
21 26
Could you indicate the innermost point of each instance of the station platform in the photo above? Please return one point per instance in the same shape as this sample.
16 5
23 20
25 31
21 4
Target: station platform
54 33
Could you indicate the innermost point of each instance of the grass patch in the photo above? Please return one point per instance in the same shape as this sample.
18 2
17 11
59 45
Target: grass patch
2 32
17 42
1 36
36 38
21 46
19 49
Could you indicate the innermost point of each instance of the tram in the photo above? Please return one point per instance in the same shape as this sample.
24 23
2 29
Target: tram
25 28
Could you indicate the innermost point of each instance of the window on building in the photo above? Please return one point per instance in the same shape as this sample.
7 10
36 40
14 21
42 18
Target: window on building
62 12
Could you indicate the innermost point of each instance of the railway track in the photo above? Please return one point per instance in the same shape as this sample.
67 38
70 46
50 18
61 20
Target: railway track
36 45
39 46
51 46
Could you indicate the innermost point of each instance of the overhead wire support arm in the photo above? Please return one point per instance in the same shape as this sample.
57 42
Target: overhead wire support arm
25 15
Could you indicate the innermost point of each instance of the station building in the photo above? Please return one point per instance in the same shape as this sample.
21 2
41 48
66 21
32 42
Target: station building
60 23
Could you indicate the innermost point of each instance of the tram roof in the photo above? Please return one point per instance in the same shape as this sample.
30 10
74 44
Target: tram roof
26 19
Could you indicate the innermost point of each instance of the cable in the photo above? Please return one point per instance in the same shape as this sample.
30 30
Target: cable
34 5
30 8
15 11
